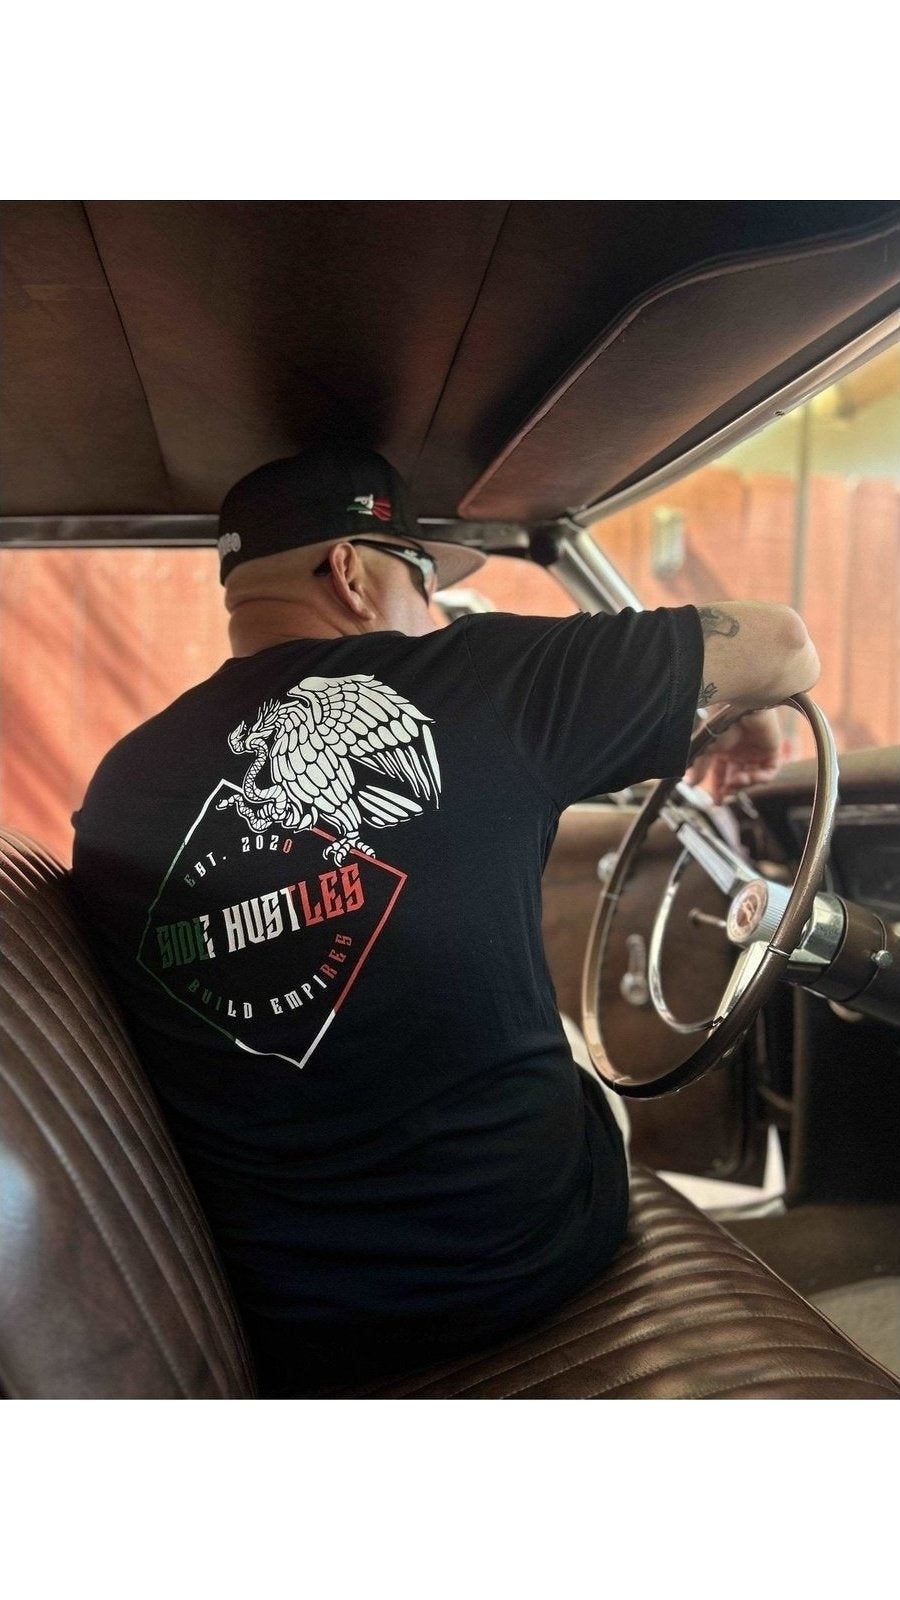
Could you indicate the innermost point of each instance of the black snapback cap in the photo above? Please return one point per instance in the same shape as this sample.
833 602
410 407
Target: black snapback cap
324 494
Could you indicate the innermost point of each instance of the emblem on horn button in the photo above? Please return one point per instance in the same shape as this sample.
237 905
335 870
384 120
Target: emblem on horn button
747 911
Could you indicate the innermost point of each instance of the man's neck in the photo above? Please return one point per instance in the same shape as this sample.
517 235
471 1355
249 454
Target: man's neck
260 624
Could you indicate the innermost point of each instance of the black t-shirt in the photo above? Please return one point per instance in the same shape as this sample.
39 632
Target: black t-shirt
315 884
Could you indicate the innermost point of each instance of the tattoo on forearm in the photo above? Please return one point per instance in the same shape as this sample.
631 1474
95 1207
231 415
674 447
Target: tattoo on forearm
706 693
719 622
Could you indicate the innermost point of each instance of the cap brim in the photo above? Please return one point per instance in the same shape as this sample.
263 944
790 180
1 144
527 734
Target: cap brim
453 561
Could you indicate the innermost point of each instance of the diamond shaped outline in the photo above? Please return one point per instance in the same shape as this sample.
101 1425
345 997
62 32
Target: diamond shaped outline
374 861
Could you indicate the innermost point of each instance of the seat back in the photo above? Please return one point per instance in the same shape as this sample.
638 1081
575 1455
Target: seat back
109 1284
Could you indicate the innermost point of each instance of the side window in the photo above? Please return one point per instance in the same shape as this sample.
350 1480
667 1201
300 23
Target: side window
93 642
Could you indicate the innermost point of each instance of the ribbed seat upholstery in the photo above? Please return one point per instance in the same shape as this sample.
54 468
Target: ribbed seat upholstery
109 1285
683 1312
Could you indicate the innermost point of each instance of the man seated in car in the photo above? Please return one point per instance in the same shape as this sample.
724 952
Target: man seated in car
315 883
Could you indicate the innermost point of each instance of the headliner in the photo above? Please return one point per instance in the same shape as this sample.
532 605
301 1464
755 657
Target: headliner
515 360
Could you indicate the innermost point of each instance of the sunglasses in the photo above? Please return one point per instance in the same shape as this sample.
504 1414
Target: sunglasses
424 564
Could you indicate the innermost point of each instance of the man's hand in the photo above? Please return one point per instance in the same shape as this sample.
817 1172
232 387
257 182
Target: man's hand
750 751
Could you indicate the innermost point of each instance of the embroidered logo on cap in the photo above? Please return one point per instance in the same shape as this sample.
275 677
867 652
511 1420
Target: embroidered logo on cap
230 543
368 506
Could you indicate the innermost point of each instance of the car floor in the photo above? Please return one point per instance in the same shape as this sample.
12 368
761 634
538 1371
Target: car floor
843 1258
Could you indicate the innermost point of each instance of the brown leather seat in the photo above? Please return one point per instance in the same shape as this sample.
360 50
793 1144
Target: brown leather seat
109 1285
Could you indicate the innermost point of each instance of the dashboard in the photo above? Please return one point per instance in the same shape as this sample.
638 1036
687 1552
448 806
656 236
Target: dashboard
864 859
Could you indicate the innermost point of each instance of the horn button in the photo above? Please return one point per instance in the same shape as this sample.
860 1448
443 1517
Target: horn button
756 911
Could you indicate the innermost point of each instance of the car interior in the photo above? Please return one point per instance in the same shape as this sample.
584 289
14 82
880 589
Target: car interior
581 390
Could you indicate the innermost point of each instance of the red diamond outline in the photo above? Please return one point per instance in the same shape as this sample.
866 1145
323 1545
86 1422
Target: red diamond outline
374 861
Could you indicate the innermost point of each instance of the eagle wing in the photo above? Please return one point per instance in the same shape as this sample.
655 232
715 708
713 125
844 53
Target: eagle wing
309 759
356 718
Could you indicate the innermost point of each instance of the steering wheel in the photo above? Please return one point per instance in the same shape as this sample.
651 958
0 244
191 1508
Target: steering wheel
765 920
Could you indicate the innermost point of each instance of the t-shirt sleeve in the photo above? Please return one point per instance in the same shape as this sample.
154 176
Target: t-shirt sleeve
592 703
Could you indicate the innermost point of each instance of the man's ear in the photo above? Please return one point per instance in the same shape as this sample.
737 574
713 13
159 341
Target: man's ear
348 577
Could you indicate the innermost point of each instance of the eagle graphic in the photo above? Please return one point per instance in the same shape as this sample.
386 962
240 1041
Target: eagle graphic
322 744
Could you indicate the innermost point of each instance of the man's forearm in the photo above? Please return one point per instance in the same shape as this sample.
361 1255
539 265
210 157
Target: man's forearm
755 653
